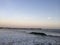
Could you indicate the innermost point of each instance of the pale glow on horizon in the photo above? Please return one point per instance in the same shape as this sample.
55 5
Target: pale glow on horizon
28 24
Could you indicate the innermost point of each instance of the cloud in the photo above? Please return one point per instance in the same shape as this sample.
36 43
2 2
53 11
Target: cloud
49 18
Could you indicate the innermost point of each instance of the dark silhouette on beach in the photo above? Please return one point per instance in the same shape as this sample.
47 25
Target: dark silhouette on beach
37 33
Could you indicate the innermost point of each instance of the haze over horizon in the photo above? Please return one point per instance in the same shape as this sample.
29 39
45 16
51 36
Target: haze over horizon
30 13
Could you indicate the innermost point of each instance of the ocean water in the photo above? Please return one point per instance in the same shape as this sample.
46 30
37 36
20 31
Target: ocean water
22 37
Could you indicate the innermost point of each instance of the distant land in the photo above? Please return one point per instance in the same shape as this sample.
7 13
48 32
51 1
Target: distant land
21 28
27 28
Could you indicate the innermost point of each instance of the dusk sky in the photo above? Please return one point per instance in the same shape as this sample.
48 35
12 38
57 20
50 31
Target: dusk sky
30 13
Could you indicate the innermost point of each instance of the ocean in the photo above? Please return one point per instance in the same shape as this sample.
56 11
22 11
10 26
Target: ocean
23 37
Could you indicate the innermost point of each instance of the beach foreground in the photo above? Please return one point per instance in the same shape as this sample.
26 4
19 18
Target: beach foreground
8 37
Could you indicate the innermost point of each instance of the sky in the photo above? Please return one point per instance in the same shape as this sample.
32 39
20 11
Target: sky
30 13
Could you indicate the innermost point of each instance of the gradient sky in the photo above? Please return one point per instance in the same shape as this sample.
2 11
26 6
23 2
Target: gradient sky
30 13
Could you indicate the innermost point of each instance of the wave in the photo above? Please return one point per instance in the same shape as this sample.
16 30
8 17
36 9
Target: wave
45 34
